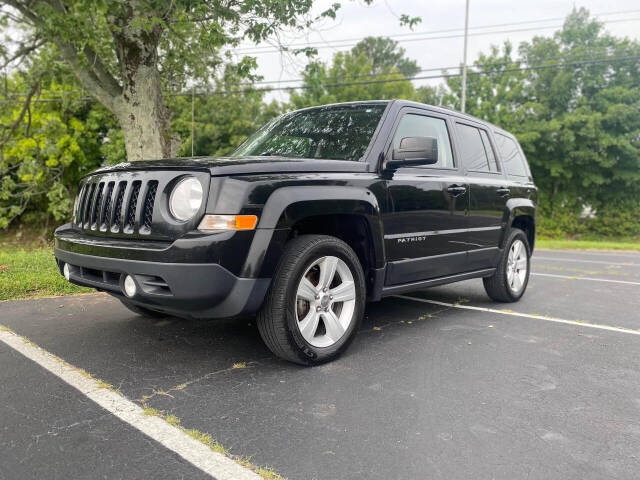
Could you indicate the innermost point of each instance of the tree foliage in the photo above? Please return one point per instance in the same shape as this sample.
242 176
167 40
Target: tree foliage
223 117
573 100
46 146
385 54
127 54
360 74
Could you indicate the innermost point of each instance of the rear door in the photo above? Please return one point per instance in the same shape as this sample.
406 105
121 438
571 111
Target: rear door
425 226
488 194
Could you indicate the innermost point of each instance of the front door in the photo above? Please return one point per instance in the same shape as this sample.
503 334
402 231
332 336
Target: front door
425 227
488 194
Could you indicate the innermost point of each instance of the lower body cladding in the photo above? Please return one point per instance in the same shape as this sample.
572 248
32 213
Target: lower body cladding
196 290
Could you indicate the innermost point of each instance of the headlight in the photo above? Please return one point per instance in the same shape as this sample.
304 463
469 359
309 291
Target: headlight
186 198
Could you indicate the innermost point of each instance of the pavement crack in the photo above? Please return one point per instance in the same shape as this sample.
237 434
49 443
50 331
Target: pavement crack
182 386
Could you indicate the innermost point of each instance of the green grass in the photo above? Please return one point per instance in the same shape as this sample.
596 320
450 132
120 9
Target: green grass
31 272
605 244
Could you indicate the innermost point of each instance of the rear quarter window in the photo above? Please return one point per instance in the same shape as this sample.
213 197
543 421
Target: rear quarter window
477 152
512 160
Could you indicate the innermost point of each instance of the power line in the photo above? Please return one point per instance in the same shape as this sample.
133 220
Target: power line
381 81
463 96
430 77
424 70
350 41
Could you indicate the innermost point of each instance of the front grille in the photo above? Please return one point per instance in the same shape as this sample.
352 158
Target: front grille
113 207
133 204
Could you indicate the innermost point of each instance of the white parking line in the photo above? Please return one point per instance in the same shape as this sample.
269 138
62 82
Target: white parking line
196 453
610 253
524 315
580 260
570 277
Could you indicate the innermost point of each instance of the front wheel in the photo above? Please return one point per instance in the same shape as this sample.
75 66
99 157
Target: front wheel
512 275
316 301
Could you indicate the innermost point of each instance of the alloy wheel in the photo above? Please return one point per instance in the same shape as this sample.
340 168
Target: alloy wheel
325 301
517 266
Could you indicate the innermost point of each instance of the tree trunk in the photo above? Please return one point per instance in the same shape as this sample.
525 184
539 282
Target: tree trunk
140 109
135 98
144 117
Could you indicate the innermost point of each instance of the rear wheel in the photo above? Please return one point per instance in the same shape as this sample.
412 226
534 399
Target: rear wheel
144 312
510 281
316 301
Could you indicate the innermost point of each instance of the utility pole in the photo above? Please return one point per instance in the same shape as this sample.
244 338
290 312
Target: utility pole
463 98
193 109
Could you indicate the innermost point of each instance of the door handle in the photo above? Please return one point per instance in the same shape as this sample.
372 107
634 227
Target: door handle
503 191
455 190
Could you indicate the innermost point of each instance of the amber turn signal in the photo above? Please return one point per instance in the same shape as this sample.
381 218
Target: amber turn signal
228 222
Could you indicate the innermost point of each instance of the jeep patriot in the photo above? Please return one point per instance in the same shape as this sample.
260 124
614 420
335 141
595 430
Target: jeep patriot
318 212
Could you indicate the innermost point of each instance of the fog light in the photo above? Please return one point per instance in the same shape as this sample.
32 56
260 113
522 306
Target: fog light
66 271
129 286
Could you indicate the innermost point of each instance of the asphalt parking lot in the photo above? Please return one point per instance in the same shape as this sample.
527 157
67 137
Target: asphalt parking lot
444 385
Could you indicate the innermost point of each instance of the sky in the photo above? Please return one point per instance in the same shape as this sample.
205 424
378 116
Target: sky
491 22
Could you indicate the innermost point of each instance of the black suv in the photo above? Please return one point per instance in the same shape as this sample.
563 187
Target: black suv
317 212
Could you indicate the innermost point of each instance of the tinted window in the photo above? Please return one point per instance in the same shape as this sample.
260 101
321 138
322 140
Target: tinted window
512 159
339 133
477 153
488 148
421 126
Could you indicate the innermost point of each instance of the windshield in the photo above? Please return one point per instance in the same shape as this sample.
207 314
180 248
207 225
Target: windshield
337 132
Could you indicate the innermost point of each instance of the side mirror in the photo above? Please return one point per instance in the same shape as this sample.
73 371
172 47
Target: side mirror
415 151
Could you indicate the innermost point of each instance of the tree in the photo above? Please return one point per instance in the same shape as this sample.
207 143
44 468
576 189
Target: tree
126 54
46 147
573 100
385 54
353 76
223 116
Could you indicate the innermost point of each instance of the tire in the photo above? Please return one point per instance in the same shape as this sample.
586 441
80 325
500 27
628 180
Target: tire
288 322
144 312
507 284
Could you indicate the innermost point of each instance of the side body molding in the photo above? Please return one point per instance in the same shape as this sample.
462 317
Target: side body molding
288 205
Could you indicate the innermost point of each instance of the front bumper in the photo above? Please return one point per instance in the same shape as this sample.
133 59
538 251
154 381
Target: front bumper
197 290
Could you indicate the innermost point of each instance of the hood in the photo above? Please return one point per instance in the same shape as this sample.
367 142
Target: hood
242 165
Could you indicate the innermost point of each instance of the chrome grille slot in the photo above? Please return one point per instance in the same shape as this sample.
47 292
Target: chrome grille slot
78 213
95 211
106 212
117 214
132 208
149 200
86 214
